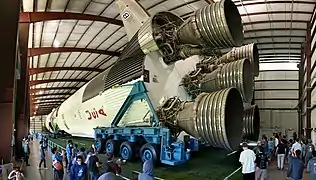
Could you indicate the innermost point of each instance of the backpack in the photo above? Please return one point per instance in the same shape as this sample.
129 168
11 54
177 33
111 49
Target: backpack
57 165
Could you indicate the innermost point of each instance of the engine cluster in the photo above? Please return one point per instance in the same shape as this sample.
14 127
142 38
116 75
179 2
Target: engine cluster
221 85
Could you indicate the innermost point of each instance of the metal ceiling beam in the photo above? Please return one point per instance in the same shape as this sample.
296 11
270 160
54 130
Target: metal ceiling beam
275 21
278 42
52 89
36 82
48 50
48 69
278 53
52 94
59 98
265 37
276 12
275 29
32 17
271 2
278 48
50 102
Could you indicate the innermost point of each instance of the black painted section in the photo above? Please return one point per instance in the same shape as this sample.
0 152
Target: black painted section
9 17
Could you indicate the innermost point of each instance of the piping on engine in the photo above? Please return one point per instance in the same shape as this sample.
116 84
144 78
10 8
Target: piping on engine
214 118
215 26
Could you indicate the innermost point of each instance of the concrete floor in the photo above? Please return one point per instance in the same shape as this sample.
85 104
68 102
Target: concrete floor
32 172
274 174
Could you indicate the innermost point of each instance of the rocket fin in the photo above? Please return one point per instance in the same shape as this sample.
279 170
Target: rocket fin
133 16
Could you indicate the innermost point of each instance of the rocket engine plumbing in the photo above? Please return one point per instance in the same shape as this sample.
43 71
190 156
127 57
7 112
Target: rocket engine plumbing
221 86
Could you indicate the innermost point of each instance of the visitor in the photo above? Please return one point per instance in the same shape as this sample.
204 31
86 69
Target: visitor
26 151
42 155
256 149
82 153
262 164
93 165
107 176
296 146
303 144
57 166
296 167
79 170
64 157
111 166
148 171
271 147
69 148
311 166
310 148
247 159
280 151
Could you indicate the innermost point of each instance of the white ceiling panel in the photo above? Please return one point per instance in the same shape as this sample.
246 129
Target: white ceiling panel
95 8
54 75
82 57
77 6
53 59
91 33
112 11
89 59
43 60
71 59
37 33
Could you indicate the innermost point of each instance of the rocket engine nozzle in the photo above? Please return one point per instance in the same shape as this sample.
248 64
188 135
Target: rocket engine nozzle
215 118
216 25
238 74
249 51
251 123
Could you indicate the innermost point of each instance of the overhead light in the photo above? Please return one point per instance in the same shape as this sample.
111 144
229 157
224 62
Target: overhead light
41 92
35 113
36 107
56 44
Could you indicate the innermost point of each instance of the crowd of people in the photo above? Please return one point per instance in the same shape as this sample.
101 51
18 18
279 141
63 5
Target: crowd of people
297 154
79 164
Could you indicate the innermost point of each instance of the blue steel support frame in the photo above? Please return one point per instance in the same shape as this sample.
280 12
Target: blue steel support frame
138 92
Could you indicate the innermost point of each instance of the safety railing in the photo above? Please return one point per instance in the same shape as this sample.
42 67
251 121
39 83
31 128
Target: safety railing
52 144
232 174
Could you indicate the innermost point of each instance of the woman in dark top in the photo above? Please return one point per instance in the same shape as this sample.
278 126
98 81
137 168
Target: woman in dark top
281 151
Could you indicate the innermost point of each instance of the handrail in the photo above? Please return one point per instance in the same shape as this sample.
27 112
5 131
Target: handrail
233 173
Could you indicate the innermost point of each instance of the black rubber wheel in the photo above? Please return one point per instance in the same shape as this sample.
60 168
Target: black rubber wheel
127 151
112 146
150 151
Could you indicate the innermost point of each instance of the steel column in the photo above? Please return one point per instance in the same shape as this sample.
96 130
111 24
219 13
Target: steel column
21 119
300 93
9 17
308 81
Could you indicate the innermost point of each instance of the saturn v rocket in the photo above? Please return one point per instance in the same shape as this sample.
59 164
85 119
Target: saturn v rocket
192 86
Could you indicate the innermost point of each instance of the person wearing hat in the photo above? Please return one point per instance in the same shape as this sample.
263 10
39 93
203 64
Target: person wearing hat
247 159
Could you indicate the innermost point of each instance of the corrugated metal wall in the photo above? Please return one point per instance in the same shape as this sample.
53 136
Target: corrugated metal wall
37 123
309 83
276 94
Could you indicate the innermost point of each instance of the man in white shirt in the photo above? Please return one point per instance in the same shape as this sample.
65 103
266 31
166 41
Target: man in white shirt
276 142
296 145
247 159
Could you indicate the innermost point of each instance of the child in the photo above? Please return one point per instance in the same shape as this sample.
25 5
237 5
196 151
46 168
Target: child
262 164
